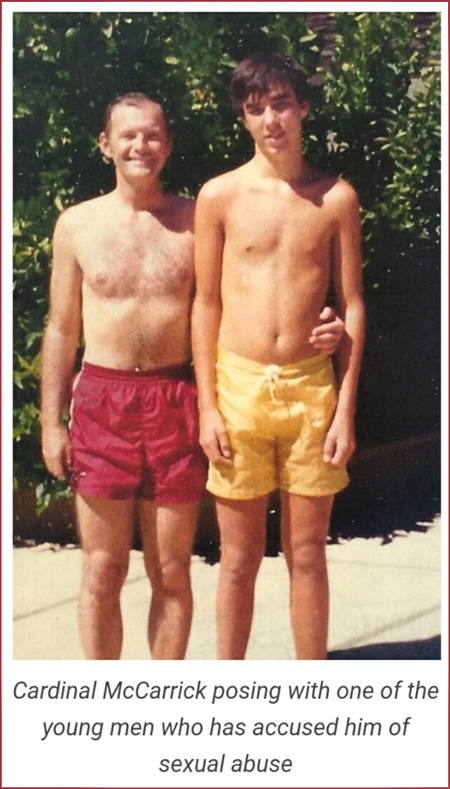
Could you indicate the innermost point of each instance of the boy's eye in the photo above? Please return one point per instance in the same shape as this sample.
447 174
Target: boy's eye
254 109
282 104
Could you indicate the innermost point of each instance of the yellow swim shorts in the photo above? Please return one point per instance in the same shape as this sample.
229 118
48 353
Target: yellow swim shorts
277 419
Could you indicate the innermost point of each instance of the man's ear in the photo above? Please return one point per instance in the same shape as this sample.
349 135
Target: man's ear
169 143
103 142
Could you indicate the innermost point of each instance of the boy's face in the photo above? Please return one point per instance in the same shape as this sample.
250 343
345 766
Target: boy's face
137 140
274 119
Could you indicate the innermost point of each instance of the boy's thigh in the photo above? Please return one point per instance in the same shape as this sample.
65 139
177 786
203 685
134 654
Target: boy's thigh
253 470
250 434
301 467
303 471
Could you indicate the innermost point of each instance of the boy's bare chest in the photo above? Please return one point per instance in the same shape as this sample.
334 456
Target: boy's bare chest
129 263
261 226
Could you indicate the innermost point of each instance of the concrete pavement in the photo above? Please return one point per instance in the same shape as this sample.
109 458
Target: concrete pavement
385 602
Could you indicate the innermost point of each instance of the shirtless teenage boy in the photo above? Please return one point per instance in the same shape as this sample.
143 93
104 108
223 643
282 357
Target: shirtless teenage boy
270 236
123 264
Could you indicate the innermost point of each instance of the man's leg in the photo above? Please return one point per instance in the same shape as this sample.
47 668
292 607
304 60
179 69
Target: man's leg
304 529
167 536
242 527
105 530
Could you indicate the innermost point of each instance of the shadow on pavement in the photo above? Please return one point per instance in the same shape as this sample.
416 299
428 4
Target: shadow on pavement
387 520
428 649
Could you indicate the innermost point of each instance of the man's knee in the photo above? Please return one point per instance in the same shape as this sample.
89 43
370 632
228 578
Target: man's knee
171 577
104 574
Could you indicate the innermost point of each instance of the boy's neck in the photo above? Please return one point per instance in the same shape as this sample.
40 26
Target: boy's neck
282 167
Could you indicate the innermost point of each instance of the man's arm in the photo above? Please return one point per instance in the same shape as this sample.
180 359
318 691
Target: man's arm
327 335
347 279
59 348
206 317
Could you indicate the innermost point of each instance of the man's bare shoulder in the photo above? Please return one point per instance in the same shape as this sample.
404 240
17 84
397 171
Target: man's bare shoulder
89 211
180 210
183 204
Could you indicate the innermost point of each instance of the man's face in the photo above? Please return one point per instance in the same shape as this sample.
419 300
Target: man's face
137 140
274 119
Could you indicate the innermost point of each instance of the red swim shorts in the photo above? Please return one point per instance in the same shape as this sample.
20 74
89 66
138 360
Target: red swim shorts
136 434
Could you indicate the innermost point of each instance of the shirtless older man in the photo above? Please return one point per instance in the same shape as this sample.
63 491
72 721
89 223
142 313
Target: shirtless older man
123 265
270 237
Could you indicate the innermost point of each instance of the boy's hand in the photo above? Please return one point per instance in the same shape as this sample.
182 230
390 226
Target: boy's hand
214 438
326 337
340 442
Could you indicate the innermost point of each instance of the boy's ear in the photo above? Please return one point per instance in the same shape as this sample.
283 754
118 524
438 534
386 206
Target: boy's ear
305 107
104 145
242 119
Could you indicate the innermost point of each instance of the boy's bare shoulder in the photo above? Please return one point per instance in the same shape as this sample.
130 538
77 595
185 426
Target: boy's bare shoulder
342 195
222 186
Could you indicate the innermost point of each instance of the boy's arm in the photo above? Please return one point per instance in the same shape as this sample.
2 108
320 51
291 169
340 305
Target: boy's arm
206 317
59 348
347 279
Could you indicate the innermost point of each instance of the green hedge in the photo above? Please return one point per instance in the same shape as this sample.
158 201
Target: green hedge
375 120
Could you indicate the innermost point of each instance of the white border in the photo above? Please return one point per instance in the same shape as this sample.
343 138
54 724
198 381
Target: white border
418 761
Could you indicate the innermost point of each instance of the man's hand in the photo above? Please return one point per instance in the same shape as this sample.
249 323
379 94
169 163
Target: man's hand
326 337
214 438
57 451
340 441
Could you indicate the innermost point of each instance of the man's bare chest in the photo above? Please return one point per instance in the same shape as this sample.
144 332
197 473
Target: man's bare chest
137 265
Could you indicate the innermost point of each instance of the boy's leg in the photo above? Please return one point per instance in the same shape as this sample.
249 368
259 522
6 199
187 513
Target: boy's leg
242 527
304 529
105 531
167 536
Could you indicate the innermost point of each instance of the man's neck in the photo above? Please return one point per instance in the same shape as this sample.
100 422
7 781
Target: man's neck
141 197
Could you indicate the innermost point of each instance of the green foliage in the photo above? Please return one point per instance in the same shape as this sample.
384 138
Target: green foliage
378 119
375 120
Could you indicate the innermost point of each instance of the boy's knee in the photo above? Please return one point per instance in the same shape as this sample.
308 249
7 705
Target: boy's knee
240 566
308 558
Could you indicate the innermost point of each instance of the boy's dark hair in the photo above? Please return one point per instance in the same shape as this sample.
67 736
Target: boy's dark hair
132 99
256 73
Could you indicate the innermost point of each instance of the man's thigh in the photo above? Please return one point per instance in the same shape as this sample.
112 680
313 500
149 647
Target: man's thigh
104 524
168 532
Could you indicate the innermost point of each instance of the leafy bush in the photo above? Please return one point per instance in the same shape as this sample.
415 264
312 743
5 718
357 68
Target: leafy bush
375 120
